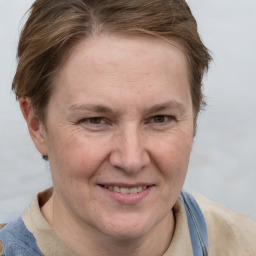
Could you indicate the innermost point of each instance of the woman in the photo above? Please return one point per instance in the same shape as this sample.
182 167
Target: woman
111 91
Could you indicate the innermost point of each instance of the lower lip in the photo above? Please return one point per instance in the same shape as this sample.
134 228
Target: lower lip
128 198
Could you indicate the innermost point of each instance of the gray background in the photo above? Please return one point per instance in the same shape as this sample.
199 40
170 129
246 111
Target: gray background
223 161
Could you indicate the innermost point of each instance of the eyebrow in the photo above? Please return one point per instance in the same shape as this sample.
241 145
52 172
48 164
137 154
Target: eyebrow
173 104
91 107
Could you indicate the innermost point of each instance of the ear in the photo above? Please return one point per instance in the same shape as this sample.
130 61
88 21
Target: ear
35 126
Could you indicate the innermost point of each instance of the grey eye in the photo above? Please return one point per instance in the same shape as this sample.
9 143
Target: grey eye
95 120
160 119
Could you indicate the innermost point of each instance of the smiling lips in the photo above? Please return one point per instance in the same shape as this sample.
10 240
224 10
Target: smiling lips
127 194
125 190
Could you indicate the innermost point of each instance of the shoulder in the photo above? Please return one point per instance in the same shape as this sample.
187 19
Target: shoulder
15 239
229 233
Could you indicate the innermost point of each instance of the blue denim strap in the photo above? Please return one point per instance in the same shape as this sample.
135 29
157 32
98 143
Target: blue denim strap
196 223
18 240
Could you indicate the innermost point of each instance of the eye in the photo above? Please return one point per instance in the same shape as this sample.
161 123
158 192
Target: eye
93 121
161 119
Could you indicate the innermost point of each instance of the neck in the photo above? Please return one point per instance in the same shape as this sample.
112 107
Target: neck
85 240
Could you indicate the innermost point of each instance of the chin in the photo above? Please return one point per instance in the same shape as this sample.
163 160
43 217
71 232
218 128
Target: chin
124 234
129 227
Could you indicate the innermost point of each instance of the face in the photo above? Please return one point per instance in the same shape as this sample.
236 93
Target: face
119 132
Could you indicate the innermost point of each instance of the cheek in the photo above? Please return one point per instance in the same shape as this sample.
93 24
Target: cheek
173 165
74 156
172 157
74 164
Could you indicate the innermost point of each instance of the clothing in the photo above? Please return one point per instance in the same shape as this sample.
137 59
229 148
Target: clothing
196 223
228 233
19 240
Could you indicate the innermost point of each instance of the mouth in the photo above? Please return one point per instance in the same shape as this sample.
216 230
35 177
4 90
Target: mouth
125 190
127 194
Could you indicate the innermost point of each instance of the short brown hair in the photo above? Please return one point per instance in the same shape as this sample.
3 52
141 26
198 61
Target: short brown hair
55 26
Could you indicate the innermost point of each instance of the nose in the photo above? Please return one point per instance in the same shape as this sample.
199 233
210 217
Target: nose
129 152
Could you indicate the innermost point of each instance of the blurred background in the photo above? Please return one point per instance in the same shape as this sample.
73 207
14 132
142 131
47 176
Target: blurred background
223 161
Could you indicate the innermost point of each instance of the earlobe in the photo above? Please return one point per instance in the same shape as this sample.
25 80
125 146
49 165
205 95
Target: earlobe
35 126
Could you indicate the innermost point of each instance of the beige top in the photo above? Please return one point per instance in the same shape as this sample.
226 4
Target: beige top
228 233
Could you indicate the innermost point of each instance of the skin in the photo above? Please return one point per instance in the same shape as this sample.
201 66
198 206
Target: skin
120 114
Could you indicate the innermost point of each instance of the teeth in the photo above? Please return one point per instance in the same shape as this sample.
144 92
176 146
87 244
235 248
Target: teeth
140 189
116 189
123 190
133 190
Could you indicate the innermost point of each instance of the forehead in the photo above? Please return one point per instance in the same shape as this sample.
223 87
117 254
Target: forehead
135 64
128 51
